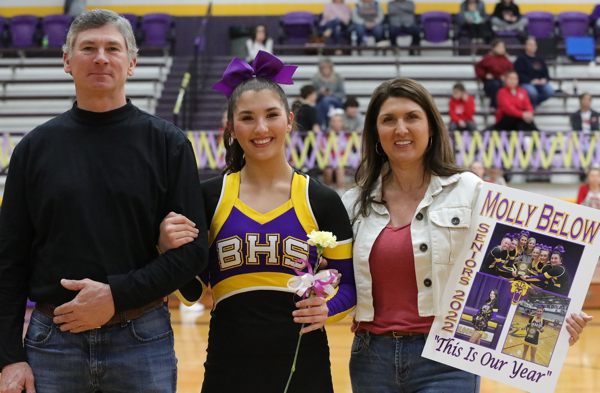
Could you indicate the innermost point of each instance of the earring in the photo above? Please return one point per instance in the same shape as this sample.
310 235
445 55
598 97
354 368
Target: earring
377 151
430 142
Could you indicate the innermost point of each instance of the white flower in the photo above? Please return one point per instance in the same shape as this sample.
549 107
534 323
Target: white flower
322 239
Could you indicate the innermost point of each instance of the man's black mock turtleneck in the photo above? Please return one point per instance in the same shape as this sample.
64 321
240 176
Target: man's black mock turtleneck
84 198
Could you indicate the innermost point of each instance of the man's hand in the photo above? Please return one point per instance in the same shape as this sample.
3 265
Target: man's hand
527 117
535 81
92 307
16 378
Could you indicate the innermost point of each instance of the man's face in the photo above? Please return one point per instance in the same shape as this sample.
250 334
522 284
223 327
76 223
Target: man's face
99 60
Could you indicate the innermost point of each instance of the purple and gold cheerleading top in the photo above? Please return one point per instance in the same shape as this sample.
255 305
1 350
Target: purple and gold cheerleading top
252 255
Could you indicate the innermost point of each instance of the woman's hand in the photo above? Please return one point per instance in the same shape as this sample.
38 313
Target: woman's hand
312 310
575 325
338 275
175 231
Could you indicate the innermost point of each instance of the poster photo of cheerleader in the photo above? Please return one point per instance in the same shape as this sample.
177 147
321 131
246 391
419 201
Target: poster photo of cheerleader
535 327
540 260
485 312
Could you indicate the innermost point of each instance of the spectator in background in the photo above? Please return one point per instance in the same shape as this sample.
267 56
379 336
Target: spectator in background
462 109
336 125
533 74
353 119
585 119
491 70
589 193
330 91
335 20
75 7
515 111
306 114
506 17
473 18
259 41
367 16
402 21
477 168
496 176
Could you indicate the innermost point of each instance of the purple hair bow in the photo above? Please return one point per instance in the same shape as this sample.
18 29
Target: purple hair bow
560 249
524 233
265 66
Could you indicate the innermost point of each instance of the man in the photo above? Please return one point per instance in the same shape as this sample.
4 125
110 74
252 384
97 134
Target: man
84 198
514 108
533 74
402 21
353 119
585 119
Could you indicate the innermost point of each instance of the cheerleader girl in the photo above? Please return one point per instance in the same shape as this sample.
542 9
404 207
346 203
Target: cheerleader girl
261 213
527 256
487 312
506 269
555 276
498 255
523 238
532 332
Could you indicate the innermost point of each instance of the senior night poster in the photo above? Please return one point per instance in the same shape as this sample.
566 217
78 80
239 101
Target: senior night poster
526 267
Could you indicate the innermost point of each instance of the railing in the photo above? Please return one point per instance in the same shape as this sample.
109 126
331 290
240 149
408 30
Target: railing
514 151
194 79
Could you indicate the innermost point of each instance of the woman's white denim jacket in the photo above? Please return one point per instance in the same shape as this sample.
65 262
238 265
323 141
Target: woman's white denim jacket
438 232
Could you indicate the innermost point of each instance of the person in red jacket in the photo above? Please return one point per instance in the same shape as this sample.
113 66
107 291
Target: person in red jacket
515 111
461 109
491 69
589 193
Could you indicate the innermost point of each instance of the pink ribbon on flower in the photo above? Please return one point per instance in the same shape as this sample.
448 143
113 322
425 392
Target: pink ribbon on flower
306 281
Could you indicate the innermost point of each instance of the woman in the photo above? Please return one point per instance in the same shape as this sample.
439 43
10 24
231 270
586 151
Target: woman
257 42
527 256
523 237
507 269
255 247
411 213
532 332
491 69
330 91
368 16
411 200
589 193
335 21
507 17
487 312
555 275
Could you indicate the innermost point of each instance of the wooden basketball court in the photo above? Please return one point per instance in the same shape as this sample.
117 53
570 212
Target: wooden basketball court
580 374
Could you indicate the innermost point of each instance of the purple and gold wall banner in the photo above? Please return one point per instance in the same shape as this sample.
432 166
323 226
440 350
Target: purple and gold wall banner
504 309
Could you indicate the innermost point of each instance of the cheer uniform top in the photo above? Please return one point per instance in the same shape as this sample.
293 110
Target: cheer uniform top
553 278
532 331
487 312
496 256
253 336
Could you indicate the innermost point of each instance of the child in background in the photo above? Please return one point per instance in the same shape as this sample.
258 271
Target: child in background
336 126
462 109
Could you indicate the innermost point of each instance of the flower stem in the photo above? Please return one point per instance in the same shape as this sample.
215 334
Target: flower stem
295 358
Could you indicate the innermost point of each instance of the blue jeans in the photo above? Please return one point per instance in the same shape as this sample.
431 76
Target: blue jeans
139 357
538 93
413 30
491 87
384 364
324 103
337 27
361 31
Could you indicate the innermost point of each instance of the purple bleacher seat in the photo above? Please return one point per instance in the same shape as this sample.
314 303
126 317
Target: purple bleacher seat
2 30
436 26
56 28
157 28
573 24
541 24
595 13
23 29
298 27
133 20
